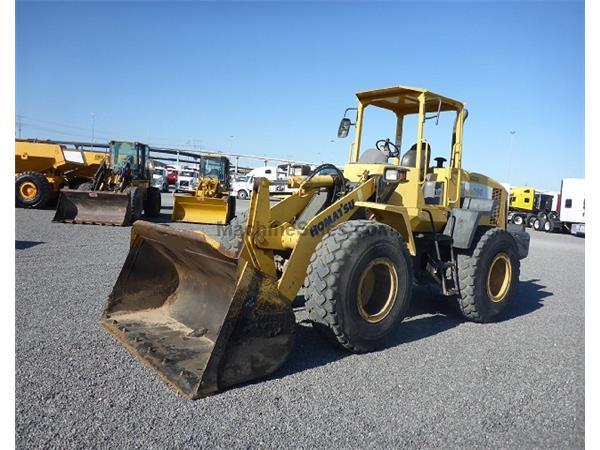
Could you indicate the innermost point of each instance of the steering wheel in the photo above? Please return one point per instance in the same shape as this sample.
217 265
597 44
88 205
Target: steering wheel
383 145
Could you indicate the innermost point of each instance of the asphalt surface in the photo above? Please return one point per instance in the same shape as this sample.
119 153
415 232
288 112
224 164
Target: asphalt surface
441 382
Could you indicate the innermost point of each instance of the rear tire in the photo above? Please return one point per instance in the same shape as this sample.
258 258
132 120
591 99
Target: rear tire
530 220
359 284
517 219
32 190
538 224
549 226
152 203
488 276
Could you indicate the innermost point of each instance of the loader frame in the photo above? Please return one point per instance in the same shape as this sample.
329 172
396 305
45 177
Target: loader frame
275 230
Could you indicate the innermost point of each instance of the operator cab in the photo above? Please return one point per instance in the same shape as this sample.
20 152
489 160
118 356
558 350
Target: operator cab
134 154
216 167
387 118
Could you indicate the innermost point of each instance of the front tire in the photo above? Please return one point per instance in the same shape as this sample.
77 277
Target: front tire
359 284
136 204
152 203
242 194
488 276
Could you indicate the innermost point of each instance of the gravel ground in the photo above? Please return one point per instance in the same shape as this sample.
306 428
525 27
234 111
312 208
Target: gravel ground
441 382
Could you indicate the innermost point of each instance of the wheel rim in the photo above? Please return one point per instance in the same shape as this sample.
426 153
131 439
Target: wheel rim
547 226
518 220
499 277
536 225
28 190
377 290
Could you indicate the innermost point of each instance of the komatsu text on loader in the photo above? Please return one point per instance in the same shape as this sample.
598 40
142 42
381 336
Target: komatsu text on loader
119 193
207 315
211 202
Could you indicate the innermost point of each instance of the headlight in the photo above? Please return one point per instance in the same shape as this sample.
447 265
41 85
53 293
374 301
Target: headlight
394 175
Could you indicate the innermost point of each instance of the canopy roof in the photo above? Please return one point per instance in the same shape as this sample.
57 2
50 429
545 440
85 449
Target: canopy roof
405 100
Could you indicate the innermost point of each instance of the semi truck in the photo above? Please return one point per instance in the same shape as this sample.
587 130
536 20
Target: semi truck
569 216
528 204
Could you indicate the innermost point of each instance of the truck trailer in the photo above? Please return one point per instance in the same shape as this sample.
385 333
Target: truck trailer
570 214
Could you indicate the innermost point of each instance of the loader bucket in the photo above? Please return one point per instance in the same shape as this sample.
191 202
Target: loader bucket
190 208
93 207
193 312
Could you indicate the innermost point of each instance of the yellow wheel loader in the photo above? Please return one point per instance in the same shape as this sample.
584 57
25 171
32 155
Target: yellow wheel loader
43 168
211 203
208 314
119 193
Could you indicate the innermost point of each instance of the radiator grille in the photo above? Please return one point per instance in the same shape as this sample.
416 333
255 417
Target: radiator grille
497 197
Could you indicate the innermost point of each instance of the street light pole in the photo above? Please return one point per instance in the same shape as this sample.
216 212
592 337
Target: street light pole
510 147
93 127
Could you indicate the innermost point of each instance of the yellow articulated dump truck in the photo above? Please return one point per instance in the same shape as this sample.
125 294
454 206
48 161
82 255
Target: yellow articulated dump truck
207 315
42 168
119 193
211 202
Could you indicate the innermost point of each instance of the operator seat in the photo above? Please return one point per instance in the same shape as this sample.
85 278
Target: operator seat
410 157
373 156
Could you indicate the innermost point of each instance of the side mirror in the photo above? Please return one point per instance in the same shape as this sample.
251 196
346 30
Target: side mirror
344 128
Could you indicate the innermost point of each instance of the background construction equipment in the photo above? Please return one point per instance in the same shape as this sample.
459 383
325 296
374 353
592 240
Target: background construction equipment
42 168
211 202
120 191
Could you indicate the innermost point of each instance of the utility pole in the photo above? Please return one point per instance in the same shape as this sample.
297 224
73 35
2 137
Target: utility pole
19 124
93 127
510 147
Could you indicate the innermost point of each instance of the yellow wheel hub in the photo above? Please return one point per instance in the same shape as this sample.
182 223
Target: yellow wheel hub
377 290
499 277
28 190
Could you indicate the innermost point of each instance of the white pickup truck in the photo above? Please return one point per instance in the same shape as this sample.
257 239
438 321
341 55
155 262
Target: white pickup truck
187 181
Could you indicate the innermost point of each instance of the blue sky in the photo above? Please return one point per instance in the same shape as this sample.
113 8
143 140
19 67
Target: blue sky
278 76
